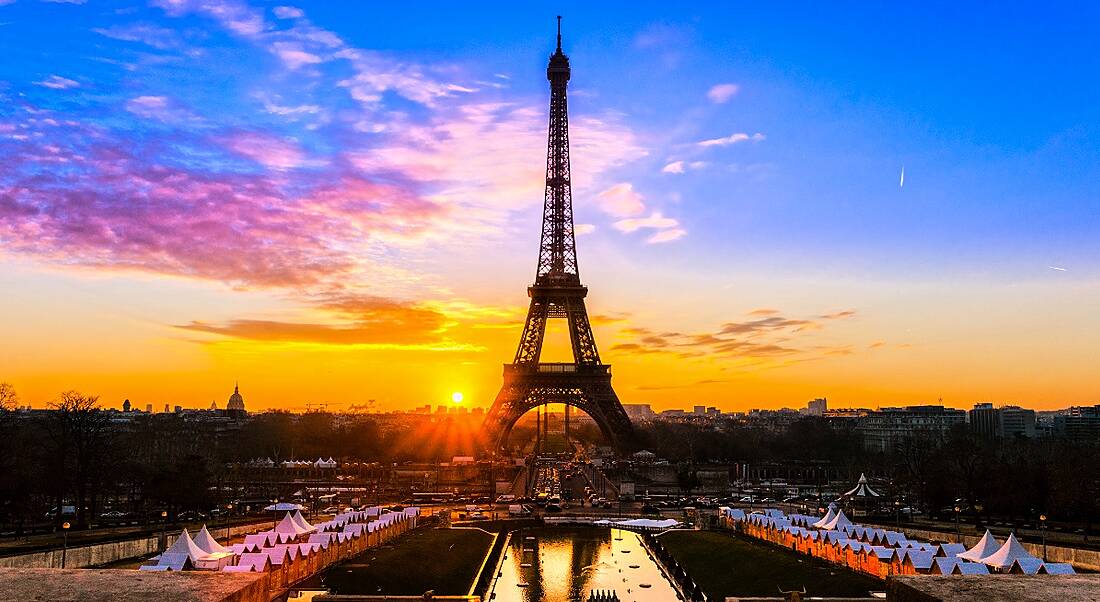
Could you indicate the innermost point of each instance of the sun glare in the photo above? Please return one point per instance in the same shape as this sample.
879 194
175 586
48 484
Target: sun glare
456 397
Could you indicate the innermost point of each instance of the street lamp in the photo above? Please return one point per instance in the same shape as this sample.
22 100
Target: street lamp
958 535
1043 528
228 516
897 514
163 530
274 512
65 542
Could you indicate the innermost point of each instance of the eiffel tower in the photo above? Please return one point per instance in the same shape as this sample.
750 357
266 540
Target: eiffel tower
558 293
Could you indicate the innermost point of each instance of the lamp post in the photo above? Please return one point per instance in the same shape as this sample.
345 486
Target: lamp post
64 542
897 515
228 516
1043 529
163 530
958 534
274 512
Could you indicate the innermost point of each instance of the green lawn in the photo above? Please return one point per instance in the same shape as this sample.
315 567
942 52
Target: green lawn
444 560
726 565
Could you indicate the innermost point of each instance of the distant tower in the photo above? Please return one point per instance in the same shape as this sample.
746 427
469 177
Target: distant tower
126 406
236 402
213 406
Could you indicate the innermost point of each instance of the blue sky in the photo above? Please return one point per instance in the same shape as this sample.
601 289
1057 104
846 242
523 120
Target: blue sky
279 161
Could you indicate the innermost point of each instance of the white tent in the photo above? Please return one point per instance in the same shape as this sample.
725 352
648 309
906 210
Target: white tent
862 489
838 523
288 526
829 516
185 554
1007 555
985 546
301 522
208 544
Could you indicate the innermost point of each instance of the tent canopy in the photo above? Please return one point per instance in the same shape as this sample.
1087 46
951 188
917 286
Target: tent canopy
208 544
862 489
1008 554
985 546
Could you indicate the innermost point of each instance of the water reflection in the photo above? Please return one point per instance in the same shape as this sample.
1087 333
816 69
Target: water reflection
564 565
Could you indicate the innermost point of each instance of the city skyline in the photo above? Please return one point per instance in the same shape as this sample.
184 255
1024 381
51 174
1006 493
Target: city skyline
312 201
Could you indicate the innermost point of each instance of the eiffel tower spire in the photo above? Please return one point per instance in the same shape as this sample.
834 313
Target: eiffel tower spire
558 250
557 293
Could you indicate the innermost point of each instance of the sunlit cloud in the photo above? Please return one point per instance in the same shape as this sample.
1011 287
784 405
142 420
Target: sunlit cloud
674 167
654 220
621 200
668 235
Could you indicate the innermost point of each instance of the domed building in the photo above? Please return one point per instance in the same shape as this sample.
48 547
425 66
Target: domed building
235 407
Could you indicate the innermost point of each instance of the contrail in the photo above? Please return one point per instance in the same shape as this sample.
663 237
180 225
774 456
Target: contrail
901 184
1054 267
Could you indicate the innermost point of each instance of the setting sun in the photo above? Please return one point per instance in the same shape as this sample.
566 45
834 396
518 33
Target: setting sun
456 397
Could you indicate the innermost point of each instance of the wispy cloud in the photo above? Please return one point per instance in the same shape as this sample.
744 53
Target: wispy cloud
721 93
288 12
767 335
673 167
732 139
56 82
654 220
150 35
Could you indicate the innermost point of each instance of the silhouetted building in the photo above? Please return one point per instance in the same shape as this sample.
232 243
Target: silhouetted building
126 406
887 428
1080 423
639 412
235 406
816 407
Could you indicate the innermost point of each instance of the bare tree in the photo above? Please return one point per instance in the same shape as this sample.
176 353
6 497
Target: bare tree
81 435
8 398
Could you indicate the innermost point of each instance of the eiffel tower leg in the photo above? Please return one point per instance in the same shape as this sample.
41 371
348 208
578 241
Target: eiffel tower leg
580 333
530 343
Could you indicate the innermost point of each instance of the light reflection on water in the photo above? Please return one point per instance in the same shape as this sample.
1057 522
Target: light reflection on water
564 565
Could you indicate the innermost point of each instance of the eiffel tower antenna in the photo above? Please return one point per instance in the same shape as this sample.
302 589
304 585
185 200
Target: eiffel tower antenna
557 293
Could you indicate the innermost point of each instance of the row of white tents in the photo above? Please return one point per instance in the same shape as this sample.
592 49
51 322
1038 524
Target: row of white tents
269 463
293 537
881 551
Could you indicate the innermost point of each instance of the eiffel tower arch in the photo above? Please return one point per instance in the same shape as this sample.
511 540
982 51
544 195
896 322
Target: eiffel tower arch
557 293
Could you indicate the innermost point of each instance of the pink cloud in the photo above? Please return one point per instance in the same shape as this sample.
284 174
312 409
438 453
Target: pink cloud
654 220
270 151
666 235
118 207
621 200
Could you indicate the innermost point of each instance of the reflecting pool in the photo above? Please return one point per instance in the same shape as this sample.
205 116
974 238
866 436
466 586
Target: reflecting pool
564 565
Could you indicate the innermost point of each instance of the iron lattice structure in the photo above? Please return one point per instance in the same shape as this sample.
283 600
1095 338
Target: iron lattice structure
558 294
